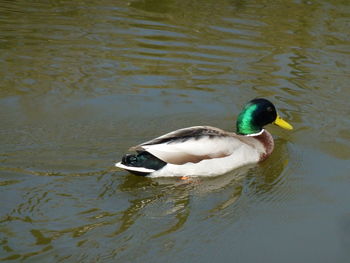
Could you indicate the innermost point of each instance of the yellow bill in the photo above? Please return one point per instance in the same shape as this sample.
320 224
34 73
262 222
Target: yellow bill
282 123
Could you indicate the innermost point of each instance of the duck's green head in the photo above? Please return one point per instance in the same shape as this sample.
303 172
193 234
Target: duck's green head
256 114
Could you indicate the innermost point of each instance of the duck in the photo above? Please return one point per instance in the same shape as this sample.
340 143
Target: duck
205 150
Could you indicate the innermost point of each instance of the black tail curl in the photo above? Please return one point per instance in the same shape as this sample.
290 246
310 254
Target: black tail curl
143 159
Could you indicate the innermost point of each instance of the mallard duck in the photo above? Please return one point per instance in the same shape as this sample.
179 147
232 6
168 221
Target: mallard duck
205 150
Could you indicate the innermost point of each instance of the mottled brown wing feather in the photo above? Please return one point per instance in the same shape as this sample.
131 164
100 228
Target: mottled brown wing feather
197 136
182 135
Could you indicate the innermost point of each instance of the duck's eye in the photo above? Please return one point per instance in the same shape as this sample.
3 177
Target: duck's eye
269 109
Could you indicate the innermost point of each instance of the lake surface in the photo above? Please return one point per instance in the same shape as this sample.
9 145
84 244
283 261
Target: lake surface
82 81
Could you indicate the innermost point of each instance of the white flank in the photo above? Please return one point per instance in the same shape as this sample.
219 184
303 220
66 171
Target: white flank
136 169
211 167
211 147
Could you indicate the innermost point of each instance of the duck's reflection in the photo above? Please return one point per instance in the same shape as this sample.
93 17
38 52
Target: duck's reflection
173 199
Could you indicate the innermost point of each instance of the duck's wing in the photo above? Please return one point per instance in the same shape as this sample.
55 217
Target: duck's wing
193 144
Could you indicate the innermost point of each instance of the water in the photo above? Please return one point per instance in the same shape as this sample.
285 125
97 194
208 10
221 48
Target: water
81 82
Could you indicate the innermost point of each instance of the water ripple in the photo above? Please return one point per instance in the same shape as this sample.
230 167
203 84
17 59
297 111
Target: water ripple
83 81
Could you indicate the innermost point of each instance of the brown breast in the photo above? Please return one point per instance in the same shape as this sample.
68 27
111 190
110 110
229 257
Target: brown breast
267 141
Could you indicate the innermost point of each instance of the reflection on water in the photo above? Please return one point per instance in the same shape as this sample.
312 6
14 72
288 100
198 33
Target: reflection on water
158 207
82 81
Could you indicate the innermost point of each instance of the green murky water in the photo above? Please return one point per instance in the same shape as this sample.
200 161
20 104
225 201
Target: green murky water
82 81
